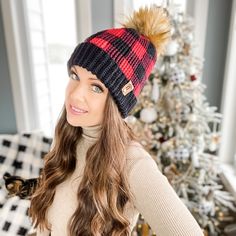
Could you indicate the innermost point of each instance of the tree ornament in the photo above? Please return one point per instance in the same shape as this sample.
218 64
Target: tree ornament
188 38
148 115
171 48
193 77
180 154
213 147
131 119
176 75
191 70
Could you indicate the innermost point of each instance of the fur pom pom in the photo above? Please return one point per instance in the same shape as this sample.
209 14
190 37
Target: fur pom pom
153 23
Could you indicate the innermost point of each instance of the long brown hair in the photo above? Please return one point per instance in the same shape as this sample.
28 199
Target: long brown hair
104 189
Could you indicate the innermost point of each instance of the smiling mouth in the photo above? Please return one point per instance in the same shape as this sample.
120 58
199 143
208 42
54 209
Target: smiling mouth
77 110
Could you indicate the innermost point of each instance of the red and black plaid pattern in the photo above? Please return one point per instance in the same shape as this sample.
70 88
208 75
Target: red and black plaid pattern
116 57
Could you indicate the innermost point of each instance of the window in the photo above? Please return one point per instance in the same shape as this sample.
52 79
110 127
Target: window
60 37
40 37
38 63
37 56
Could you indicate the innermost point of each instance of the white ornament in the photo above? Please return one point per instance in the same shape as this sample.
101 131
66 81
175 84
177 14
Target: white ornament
155 91
148 115
130 120
171 48
191 70
158 135
188 38
212 146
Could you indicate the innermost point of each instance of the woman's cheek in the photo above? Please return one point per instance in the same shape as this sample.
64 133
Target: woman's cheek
68 90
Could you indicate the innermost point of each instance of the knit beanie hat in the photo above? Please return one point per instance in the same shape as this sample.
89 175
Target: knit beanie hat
123 58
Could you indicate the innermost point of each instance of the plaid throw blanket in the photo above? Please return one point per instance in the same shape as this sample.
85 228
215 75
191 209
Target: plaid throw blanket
21 155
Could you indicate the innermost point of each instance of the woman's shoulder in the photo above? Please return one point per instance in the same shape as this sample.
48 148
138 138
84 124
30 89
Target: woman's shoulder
136 153
135 147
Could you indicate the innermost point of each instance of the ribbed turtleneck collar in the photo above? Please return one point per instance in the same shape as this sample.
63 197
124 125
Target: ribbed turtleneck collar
91 133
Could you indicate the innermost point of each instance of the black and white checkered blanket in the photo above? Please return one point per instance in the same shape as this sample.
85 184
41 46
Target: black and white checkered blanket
21 155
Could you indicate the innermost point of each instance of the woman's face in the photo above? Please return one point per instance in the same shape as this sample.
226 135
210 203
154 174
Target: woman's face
85 98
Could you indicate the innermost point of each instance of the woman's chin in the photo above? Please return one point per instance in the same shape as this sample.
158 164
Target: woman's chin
73 122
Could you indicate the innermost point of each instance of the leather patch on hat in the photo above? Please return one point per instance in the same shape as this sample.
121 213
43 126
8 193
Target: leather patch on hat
127 88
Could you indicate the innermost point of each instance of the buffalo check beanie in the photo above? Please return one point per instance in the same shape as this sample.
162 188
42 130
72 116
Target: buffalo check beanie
123 58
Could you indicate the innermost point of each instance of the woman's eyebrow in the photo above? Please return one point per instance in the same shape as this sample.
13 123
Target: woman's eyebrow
73 69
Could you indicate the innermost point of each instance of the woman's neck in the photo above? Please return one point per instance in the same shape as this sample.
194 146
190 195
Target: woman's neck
91 133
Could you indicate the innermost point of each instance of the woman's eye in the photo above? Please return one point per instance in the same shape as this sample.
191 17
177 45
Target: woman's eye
97 89
74 76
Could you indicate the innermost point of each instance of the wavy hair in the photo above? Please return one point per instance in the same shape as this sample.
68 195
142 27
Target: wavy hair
104 189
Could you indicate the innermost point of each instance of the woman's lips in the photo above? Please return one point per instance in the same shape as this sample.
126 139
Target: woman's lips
77 111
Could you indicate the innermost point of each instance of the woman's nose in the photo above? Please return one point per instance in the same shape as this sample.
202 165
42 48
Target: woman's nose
79 92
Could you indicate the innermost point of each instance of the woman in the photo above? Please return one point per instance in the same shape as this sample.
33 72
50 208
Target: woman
97 178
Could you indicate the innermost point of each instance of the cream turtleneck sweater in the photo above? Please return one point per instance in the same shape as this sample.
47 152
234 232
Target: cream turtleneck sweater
155 198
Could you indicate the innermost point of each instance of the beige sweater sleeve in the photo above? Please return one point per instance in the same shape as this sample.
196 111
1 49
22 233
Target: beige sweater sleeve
158 203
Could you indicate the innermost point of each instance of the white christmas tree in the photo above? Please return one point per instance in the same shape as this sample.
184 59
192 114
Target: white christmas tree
182 132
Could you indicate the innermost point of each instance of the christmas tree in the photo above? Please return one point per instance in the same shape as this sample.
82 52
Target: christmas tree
181 131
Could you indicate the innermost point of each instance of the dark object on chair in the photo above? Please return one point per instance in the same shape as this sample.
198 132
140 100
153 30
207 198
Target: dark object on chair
18 186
